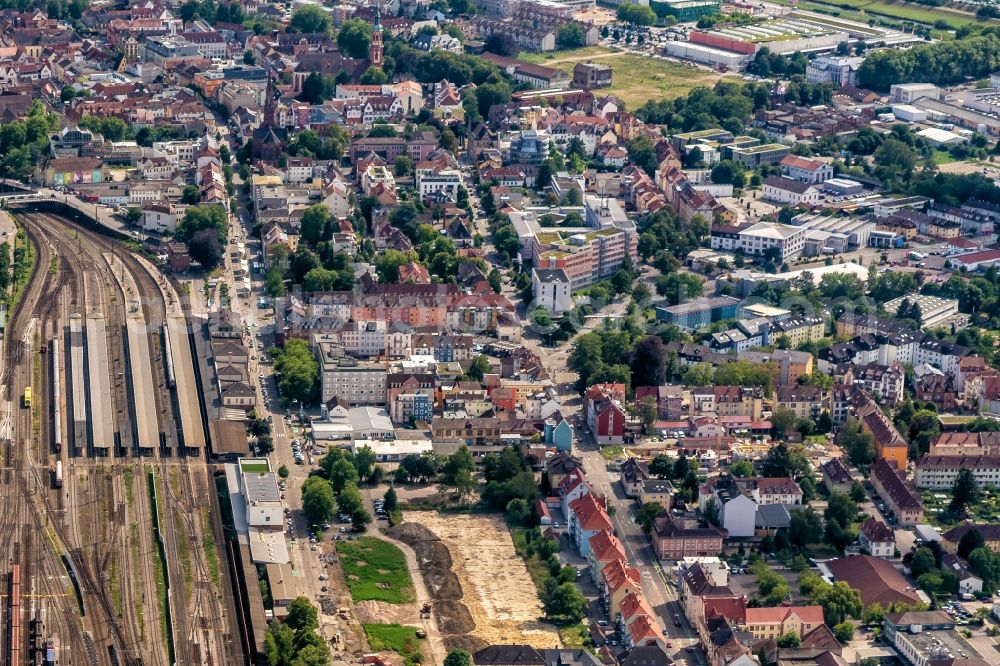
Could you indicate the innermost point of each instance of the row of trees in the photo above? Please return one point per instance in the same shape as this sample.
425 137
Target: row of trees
298 372
941 62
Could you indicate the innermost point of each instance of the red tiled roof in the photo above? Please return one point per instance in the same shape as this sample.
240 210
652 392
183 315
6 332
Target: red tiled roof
875 579
590 515
606 547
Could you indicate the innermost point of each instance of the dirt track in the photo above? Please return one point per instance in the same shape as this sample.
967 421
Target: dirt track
477 580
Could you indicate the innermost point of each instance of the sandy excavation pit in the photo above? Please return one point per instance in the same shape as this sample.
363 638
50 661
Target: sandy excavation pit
471 570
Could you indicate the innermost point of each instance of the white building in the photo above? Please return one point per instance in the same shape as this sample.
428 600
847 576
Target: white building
933 471
877 538
433 182
757 239
806 170
551 287
363 339
787 191
909 92
372 423
838 70
159 217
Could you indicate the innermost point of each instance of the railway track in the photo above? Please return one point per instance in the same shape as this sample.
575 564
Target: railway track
21 526
202 615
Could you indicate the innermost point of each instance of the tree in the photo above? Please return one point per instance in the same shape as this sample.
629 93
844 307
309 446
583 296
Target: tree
364 462
844 632
197 218
317 500
480 366
839 602
350 501
340 470
298 371
789 640
519 512
804 527
458 657
894 159
636 14
205 248
310 19
570 36
965 491
403 165
782 462
923 562
458 471
712 512
969 542
191 195
315 220
647 513
741 468
302 615
354 37
563 602
279 644
679 287
859 445
661 466
782 420
390 501
841 509
857 492
648 362
133 215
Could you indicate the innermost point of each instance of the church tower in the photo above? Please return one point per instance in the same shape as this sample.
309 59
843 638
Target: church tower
375 48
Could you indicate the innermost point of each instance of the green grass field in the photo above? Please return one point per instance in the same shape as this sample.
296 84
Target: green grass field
635 78
892 9
942 157
394 638
375 569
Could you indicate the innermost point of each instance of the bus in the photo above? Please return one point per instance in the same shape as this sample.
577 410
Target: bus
27 397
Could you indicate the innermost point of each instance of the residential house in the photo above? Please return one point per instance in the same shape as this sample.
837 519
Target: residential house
587 517
876 538
940 472
968 582
804 400
891 486
633 475
659 491
990 532
558 433
675 537
618 581
836 476
773 623
606 416
603 550
889 444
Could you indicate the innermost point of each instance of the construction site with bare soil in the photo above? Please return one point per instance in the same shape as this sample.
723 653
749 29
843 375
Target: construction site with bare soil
476 580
